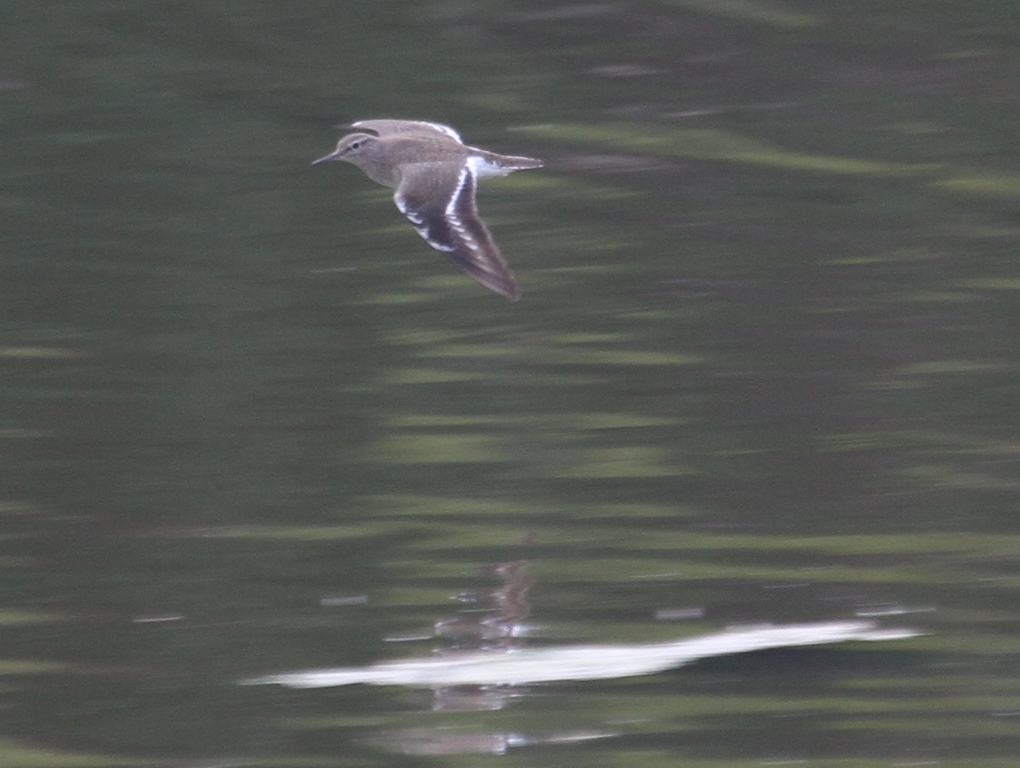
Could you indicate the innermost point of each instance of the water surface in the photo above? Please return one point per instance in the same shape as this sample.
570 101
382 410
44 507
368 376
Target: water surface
764 370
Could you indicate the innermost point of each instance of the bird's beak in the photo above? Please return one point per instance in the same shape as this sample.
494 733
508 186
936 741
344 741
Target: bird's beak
334 155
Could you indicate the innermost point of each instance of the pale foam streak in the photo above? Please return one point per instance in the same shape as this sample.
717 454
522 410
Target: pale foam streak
580 662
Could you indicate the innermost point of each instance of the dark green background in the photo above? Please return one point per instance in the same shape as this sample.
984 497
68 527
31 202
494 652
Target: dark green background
765 369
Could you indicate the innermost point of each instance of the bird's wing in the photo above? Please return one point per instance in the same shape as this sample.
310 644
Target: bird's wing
391 127
439 201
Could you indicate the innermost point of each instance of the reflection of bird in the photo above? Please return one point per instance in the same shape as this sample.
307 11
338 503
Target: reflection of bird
435 176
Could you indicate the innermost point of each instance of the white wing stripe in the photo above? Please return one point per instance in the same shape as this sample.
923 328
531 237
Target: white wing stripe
453 216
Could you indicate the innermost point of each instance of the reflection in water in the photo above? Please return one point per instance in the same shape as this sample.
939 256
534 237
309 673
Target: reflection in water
493 624
581 662
488 663
437 741
769 340
501 610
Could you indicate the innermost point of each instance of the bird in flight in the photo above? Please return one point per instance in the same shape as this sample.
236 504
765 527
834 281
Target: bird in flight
435 176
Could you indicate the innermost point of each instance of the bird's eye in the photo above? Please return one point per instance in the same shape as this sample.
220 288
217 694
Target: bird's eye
355 145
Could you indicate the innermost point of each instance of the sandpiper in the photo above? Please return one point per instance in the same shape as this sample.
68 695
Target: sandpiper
435 175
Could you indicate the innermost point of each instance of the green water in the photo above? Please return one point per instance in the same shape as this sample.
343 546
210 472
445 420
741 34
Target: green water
764 369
